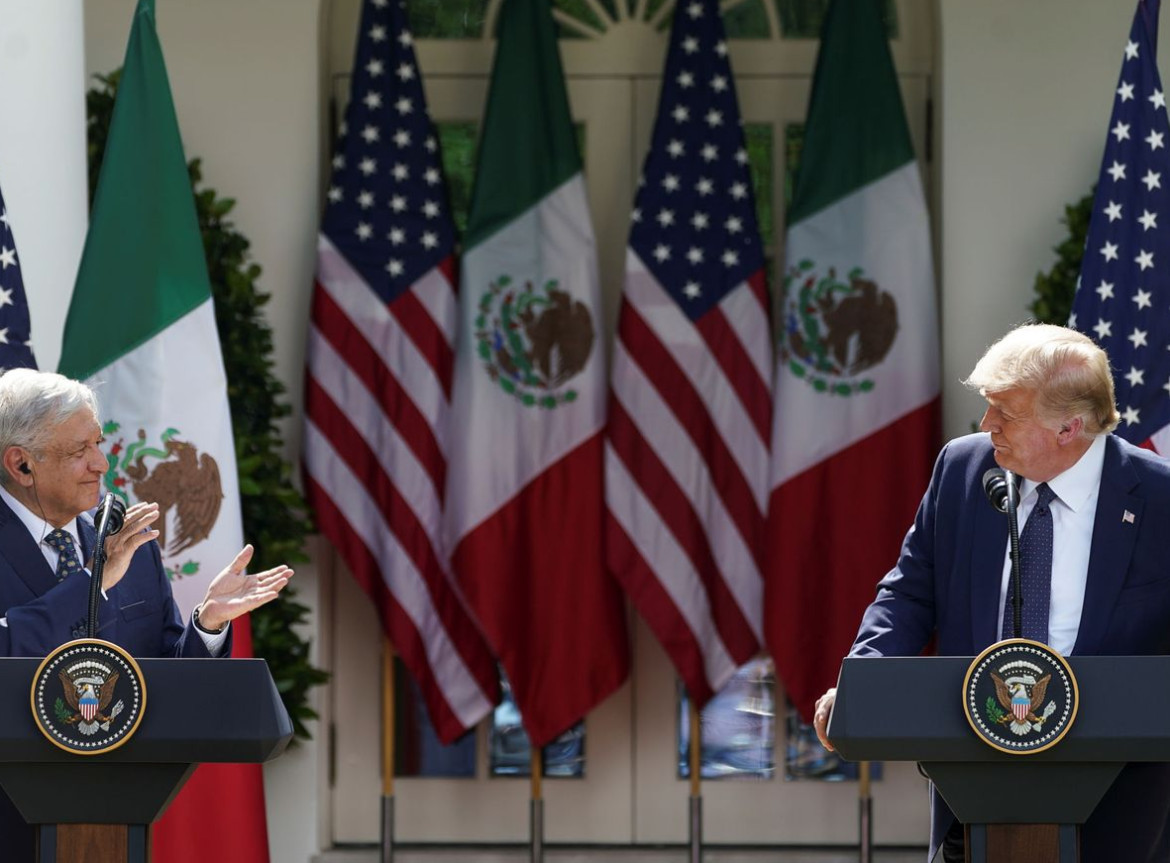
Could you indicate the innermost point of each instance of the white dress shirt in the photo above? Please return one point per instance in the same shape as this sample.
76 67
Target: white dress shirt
1073 512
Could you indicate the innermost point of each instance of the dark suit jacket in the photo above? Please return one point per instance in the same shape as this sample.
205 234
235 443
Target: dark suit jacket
139 614
947 585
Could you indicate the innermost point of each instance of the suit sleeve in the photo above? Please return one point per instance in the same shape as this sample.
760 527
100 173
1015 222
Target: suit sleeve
902 618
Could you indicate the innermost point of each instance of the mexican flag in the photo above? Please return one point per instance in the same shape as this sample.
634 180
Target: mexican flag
856 421
524 491
141 331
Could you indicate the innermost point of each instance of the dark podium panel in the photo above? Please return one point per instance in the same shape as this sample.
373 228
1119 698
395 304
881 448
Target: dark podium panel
911 709
197 710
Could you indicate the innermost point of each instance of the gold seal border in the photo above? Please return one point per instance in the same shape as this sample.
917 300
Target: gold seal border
1058 660
54 656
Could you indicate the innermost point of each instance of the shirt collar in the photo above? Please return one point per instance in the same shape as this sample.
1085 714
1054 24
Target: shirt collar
1076 486
37 526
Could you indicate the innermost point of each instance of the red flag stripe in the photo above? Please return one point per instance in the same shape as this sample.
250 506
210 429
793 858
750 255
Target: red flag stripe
661 614
397 404
426 334
404 634
371 317
416 480
394 514
728 351
647 352
351 448
672 508
679 339
446 640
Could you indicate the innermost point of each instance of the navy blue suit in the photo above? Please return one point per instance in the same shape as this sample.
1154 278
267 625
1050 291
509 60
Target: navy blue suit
140 615
947 585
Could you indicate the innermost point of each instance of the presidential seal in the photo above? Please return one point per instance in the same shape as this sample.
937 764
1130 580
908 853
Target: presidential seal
1020 696
835 329
88 696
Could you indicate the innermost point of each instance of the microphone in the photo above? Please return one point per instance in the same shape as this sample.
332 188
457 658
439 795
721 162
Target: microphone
1000 487
109 518
995 486
112 509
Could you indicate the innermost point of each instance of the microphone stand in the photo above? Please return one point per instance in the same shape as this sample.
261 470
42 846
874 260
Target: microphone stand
1013 502
99 564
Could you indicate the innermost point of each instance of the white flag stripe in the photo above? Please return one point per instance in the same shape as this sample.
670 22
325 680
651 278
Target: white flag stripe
176 380
399 462
674 447
658 547
691 354
751 324
408 587
896 254
541 243
369 315
435 294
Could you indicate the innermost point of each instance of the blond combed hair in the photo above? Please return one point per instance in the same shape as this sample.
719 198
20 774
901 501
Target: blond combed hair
1068 372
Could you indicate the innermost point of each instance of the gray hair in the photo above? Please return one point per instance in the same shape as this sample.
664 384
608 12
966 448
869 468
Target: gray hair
33 404
1067 370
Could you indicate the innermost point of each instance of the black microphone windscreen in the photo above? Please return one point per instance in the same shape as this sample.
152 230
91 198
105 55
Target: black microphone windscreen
117 514
995 486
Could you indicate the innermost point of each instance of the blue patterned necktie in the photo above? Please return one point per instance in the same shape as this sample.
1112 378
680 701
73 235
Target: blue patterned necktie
1035 572
62 543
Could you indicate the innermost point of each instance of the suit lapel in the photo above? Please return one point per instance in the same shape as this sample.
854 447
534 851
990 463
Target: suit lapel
88 534
18 547
1114 535
987 556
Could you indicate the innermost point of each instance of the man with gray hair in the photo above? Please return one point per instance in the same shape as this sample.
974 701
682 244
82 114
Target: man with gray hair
1050 412
51 472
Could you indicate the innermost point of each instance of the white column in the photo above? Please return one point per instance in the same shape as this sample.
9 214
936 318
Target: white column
42 155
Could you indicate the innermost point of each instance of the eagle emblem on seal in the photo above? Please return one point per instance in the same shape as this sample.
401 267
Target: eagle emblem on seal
89 689
1022 698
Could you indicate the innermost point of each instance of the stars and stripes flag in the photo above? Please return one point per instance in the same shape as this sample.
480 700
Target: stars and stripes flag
690 406
1123 296
378 384
15 328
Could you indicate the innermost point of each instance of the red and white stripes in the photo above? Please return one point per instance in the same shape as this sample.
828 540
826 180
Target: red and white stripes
377 400
687 472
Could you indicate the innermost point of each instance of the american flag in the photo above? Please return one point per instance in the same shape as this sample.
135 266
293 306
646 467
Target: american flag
690 407
15 329
378 384
1123 296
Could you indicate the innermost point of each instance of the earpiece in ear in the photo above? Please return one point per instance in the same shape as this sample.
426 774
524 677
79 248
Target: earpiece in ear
24 467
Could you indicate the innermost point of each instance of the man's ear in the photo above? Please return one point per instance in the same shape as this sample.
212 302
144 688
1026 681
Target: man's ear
17 462
1070 430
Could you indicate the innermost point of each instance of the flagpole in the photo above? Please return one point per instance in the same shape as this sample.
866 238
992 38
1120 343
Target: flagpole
696 800
864 814
387 751
536 809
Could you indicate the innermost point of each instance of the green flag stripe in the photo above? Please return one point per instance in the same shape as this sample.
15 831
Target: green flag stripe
527 148
143 266
856 130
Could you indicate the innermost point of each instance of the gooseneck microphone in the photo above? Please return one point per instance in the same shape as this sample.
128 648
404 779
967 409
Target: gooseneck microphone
110 515
1000 487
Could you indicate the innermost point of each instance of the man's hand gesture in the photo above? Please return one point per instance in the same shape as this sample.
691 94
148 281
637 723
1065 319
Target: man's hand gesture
234 592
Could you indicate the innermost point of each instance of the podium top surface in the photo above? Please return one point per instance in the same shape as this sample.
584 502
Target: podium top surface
197 710
911 709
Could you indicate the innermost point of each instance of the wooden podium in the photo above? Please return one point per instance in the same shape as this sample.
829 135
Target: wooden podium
98 808
910 709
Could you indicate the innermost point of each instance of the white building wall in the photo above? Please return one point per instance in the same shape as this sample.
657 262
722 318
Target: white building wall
1025 94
